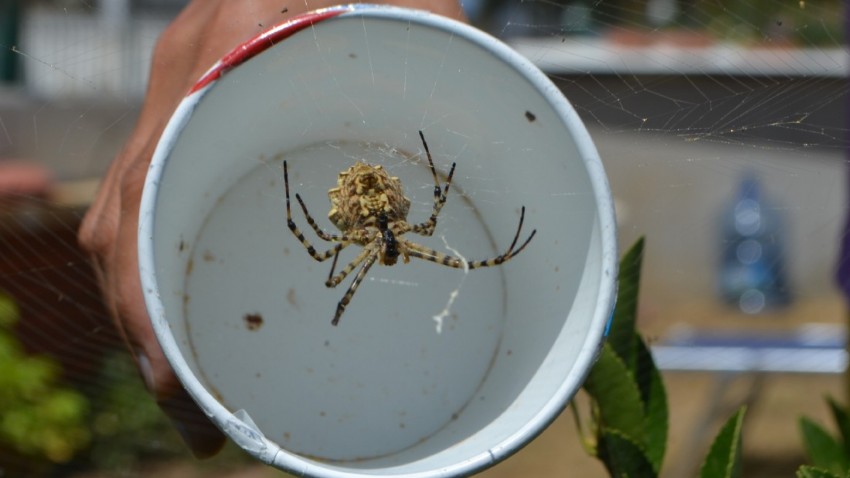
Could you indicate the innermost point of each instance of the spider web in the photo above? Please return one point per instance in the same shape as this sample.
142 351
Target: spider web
683 99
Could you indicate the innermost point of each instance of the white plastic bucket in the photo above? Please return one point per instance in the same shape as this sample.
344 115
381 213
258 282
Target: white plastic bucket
432 371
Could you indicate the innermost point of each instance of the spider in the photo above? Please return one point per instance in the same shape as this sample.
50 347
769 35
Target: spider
370 209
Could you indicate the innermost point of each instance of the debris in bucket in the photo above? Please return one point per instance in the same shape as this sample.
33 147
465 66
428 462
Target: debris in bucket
446 312
253 321
441 317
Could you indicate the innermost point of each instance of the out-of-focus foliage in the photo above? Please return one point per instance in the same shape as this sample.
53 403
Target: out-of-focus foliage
798 22
129 431
111 424
40 419
127 426
829 455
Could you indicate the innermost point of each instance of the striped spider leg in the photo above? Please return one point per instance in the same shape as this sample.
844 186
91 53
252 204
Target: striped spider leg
440 196
422 252
341 241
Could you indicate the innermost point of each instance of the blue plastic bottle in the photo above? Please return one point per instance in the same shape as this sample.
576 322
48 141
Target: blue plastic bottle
752 268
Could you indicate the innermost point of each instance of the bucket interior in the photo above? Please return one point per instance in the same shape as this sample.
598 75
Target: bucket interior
428 362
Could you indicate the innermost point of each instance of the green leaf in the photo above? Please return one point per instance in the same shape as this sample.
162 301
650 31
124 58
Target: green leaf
623 457
842 421
622 333
8 311
724 457
654 398
617 397
807 471
823 449
588 440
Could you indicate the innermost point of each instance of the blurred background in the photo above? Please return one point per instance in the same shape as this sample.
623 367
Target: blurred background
722 126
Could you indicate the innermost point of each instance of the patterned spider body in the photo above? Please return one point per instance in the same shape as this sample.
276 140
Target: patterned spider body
370 209
363 192
369 205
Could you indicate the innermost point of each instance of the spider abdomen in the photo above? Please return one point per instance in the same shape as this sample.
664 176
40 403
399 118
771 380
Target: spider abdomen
363 192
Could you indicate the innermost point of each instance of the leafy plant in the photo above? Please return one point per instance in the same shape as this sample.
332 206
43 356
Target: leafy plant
39 419
129 431
629 418
801 23
829 455
808 471
128 428
724 458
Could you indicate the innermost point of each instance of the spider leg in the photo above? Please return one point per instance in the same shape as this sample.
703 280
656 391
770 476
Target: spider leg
518 229
319 256
319 231
340 307
331 273
334 280
440 194
422 252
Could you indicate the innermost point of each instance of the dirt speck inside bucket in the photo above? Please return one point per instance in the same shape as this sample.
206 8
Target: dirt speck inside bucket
253 321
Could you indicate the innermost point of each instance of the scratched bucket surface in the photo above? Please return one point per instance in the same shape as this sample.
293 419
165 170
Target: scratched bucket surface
432 371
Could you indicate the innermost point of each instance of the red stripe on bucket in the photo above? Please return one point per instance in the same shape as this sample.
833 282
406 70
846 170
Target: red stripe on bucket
261 42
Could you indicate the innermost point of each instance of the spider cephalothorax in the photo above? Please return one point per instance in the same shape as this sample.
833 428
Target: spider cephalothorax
370 209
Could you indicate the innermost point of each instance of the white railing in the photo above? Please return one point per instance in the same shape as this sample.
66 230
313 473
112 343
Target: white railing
77 54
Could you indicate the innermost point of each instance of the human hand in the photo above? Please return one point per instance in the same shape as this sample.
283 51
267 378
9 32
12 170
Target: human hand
203 32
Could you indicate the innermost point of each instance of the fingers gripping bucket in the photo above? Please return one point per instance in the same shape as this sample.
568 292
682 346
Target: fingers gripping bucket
432 371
